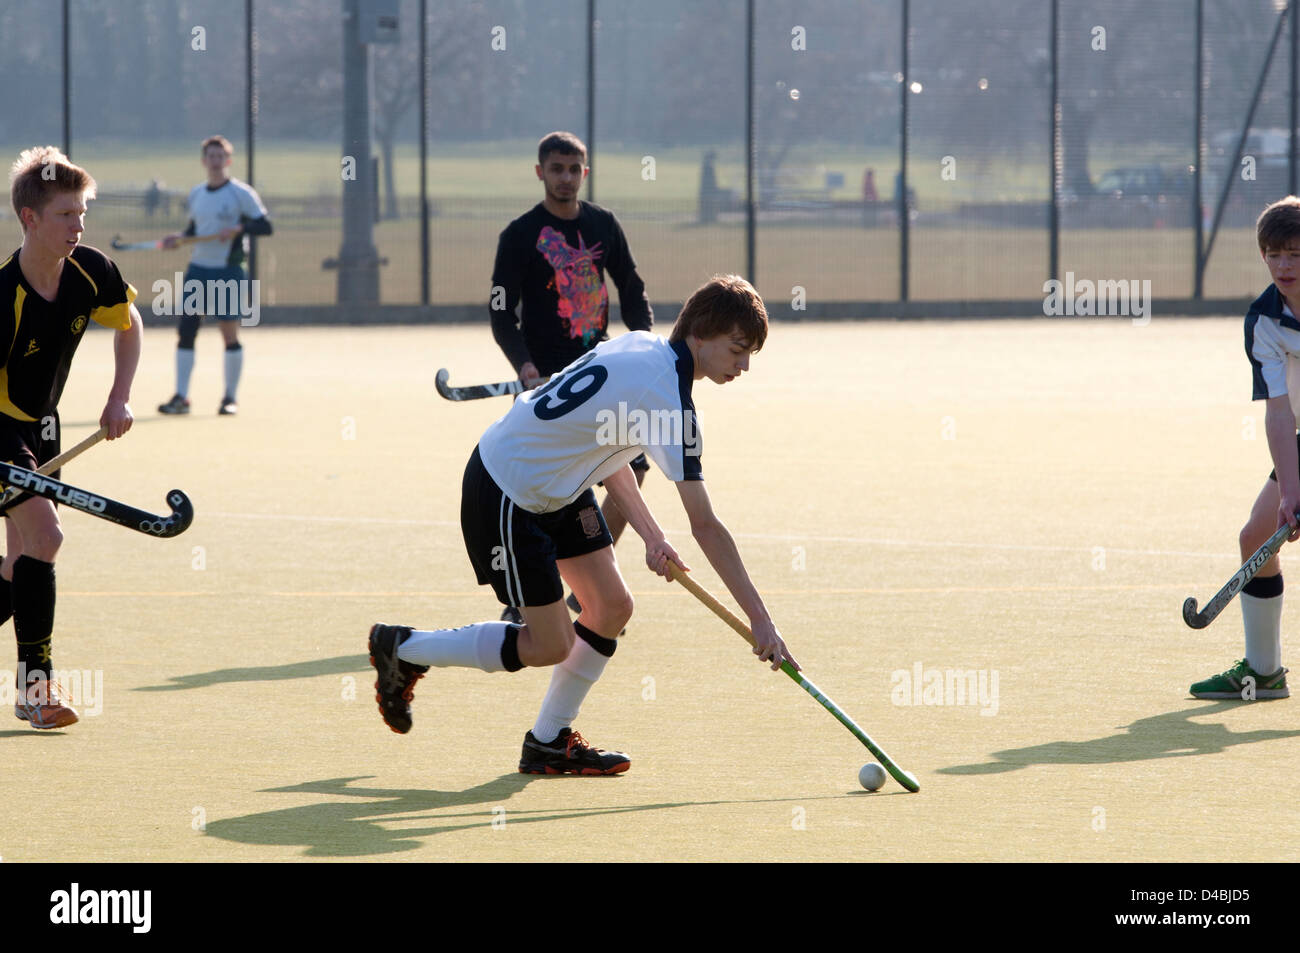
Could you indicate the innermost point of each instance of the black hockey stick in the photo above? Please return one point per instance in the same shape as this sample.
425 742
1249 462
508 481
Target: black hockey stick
475 391
1199 620
29 481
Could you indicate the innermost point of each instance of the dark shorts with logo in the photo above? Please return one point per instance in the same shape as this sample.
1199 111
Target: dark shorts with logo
23 444
515 551
222 300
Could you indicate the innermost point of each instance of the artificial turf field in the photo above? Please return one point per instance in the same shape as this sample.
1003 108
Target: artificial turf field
1031 499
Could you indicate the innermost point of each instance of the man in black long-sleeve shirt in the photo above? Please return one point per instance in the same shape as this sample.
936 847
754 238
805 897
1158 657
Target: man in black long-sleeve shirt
553 260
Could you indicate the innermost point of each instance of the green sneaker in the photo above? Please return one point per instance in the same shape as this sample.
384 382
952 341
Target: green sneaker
1232 684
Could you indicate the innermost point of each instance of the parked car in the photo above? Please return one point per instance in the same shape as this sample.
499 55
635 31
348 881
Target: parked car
1151 183
1139 196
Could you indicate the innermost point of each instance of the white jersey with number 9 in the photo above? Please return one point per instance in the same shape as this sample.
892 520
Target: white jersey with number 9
627 396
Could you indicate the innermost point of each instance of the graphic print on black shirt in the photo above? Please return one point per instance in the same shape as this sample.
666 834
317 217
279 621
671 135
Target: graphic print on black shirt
556 269
582 301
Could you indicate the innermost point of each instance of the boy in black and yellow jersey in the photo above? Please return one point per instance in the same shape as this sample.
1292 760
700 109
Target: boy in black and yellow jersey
50 289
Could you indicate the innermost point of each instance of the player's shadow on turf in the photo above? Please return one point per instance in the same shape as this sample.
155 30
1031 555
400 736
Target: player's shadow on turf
352 829
339 665
1171 735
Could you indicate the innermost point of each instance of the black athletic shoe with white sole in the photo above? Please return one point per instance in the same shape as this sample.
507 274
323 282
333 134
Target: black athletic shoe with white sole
395 686
569 754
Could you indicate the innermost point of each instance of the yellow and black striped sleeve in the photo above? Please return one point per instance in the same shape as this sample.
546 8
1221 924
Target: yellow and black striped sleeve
112 293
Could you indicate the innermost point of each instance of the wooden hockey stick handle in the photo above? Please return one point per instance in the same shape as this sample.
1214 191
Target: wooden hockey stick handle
677 574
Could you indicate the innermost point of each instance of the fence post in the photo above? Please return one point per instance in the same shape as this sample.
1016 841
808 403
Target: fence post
1054 152
67 79
904 224
1295 88
751 216
424 154
591 98
1198 212
250 118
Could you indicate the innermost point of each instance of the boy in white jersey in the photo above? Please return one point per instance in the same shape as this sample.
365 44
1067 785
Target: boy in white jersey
530 520
1273 347
231 209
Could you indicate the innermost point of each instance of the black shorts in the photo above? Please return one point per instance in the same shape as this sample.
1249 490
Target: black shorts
1272 474
222 301
514 550
23 444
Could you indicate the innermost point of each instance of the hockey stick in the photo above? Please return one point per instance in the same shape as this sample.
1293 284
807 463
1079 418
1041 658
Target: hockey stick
905 778
475 391
29 481
1199 620
45 469
120 245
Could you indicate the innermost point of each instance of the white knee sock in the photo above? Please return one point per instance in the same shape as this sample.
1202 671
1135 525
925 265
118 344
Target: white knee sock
234 366
1263 621
471 646
184 368
571 680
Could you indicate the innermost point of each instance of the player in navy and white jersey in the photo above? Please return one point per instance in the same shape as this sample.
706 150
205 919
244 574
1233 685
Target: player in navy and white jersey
49 290
559 440
227 207
550 266
530 520
1273 348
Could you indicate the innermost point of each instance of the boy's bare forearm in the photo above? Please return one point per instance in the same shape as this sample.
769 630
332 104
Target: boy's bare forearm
720 549
627 496
127 346
1280 428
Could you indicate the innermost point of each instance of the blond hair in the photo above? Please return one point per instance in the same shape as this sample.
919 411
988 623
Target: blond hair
217 141
41 173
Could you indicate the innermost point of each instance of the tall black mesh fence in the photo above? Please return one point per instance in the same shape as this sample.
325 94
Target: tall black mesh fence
665 113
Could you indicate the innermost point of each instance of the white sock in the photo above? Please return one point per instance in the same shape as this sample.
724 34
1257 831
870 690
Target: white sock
571 680
477 645
234 366
1263 621
184 368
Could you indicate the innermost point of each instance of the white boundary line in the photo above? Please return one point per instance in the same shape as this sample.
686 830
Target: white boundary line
788 537
332 519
